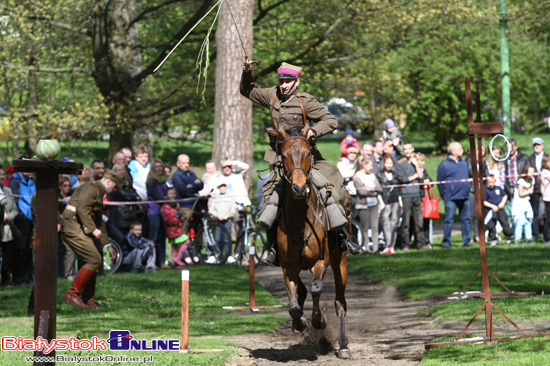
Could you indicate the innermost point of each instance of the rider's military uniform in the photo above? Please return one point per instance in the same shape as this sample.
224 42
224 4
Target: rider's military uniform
288 112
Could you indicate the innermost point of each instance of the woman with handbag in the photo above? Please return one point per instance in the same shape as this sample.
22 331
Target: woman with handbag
392 201
427 223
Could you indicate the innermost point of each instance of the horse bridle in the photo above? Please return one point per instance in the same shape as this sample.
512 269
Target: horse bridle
286 175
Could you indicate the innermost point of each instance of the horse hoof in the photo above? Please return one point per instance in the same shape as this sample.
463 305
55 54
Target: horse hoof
344 354
319 323
299 325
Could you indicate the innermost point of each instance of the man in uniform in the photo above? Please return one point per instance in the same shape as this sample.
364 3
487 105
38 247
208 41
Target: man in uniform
82 224
286 103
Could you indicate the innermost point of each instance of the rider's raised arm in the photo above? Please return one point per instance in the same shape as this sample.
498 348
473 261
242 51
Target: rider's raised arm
262 96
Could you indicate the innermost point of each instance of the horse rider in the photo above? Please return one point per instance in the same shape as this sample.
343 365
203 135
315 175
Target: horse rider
289 106
83 222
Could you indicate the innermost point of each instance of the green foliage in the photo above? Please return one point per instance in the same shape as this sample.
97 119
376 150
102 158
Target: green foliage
401 60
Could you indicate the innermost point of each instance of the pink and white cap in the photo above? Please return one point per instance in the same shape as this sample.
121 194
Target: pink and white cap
288 71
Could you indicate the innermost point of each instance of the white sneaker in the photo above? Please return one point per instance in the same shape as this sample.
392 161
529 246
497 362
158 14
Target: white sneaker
230 260
211 260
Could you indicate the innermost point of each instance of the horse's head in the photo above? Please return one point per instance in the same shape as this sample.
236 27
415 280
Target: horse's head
297 160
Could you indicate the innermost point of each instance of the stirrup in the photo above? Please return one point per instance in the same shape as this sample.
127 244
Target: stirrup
349 243
271 260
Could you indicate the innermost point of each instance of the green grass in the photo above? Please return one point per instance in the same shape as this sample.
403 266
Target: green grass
421 273
525 352
149 305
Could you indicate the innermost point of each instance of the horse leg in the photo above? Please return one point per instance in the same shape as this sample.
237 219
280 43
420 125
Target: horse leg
317 319
338 262
296 298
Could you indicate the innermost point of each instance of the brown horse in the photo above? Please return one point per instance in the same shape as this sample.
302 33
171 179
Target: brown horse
304 241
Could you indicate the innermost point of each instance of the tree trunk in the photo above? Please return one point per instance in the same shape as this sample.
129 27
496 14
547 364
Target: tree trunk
233 113
117 61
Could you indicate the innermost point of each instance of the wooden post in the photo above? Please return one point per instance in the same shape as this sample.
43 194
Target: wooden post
252 280
47 216
184 347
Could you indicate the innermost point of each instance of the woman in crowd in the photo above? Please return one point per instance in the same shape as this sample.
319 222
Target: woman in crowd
7 234
369 202
156 190
522 212
545 190
347 167
426 224
392 203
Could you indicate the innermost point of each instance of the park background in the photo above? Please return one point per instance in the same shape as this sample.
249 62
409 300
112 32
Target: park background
83 72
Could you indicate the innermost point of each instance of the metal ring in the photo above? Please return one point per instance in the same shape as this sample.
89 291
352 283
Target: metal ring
508 148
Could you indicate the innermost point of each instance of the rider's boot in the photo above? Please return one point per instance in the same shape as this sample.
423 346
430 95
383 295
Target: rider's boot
272 258
348 241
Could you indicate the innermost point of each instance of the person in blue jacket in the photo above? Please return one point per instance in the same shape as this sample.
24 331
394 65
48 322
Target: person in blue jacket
455 195
186 182
22 186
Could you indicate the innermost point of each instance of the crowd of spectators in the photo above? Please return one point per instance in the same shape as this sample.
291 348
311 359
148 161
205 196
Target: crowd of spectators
147 211
385 178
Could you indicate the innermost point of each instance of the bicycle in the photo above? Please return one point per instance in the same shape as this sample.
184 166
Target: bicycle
212 241
248 237
111 265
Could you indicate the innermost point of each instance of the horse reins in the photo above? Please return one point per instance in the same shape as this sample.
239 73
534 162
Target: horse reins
286 175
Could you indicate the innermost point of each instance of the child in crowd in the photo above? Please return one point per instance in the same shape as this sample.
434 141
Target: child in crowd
173 219
495 202
393 133
137 250
369 202
348 141
545 190
222 207
522 213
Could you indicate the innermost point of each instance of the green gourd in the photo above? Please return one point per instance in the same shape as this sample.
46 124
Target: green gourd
47 149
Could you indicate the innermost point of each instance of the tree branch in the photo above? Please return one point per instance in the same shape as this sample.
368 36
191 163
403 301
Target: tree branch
50 21
175 39
46 69
149 10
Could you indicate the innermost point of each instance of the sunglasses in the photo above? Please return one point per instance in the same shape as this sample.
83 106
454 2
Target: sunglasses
226 166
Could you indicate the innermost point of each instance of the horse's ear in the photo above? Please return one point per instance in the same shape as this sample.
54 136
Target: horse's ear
305 129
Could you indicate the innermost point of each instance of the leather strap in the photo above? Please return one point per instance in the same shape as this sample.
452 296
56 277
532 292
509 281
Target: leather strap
303 110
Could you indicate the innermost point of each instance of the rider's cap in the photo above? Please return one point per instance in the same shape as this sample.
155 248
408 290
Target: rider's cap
288 71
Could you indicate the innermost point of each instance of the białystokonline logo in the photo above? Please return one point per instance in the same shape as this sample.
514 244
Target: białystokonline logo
119 340
122 340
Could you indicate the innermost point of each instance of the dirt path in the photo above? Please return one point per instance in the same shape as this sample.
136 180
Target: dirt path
382 327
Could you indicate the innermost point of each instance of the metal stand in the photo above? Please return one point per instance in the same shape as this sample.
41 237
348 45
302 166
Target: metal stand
45 266
252 283
482 130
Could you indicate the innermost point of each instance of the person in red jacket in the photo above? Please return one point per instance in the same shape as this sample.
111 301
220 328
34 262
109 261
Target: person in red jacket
173 219
348 141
